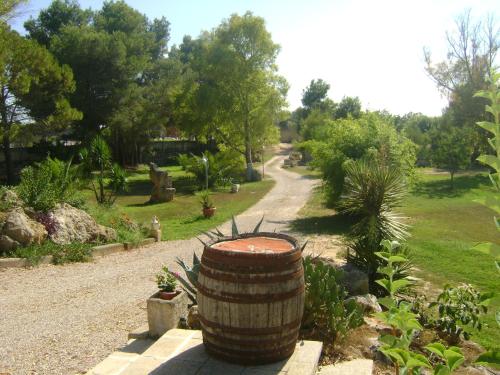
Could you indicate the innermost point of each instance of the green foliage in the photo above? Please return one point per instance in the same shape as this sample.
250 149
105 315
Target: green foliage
452 358
189 284
8 8
395 271
342 140
315 93
34 91
221 165
205 200
117 58
450 149
74 252
490 358
47 183
459 309
106 179
165 280
325 307
239 97
372 192
348 107
492 160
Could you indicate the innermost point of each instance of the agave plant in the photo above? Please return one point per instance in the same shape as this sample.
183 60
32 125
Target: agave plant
189 283
372 192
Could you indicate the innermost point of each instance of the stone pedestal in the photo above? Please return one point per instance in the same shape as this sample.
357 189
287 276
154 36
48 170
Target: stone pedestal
156 234
164 315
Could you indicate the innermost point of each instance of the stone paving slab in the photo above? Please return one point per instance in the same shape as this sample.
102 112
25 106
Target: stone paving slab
181 352
354 367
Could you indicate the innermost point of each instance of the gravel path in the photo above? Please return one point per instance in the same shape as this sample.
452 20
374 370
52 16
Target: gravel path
65 319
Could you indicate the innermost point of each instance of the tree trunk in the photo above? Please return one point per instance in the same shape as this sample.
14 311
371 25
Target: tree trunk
8 157
248 159
452 173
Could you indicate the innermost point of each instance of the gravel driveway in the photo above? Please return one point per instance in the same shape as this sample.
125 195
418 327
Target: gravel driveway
65 319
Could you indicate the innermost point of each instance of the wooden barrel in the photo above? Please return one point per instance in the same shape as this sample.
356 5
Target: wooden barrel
251 297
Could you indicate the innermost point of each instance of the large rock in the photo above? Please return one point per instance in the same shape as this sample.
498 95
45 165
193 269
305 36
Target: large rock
19 227
355 280
75 225
368 303
7 244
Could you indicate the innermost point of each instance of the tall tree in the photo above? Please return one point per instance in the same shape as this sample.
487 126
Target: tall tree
239 88
9 8
113 53
348 106
472 51
450 149
33 89
315 93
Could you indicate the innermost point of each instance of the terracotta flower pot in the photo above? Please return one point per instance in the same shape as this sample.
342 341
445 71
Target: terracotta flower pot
168 295
209 212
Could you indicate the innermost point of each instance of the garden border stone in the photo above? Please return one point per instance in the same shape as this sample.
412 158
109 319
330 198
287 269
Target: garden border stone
101 250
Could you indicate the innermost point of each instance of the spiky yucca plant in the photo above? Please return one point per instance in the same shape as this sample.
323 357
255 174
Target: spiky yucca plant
372 193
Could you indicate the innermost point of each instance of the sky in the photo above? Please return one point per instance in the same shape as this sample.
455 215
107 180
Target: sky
372 49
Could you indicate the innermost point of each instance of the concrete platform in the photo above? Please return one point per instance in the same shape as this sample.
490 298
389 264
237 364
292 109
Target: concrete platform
181 352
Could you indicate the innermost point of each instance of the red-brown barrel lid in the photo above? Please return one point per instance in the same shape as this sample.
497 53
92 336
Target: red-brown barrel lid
257 245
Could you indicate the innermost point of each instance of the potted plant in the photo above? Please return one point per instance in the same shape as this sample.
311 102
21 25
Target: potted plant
207 205
166 283
235 186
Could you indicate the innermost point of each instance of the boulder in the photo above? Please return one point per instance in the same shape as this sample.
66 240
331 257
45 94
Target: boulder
7 244
355 280
75 225
193 318
19 227
368 302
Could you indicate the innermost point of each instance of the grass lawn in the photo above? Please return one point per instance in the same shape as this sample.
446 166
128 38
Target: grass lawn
445 224
182 217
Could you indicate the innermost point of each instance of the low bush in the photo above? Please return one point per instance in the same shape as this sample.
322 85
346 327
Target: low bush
75 252
221 166
325 307
333 143
459 309
47 183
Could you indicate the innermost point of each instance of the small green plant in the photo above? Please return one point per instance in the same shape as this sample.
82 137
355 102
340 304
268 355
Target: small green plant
451 357
191 281
325 308
460 308
394 280
205 200
47 183
165 280
106 179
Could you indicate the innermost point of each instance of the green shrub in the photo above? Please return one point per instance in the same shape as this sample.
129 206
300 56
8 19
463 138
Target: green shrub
74 252
325 307
458 309
221 166
47 183
372 192
371 136
105 178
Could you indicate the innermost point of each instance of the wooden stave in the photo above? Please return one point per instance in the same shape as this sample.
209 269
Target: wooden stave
221 342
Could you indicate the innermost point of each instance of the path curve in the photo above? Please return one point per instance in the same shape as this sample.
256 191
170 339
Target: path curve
65 319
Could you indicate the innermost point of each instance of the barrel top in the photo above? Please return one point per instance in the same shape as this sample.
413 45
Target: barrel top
258 244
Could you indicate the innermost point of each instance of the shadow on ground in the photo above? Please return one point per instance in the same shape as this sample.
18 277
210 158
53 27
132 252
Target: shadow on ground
335 224
442 188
